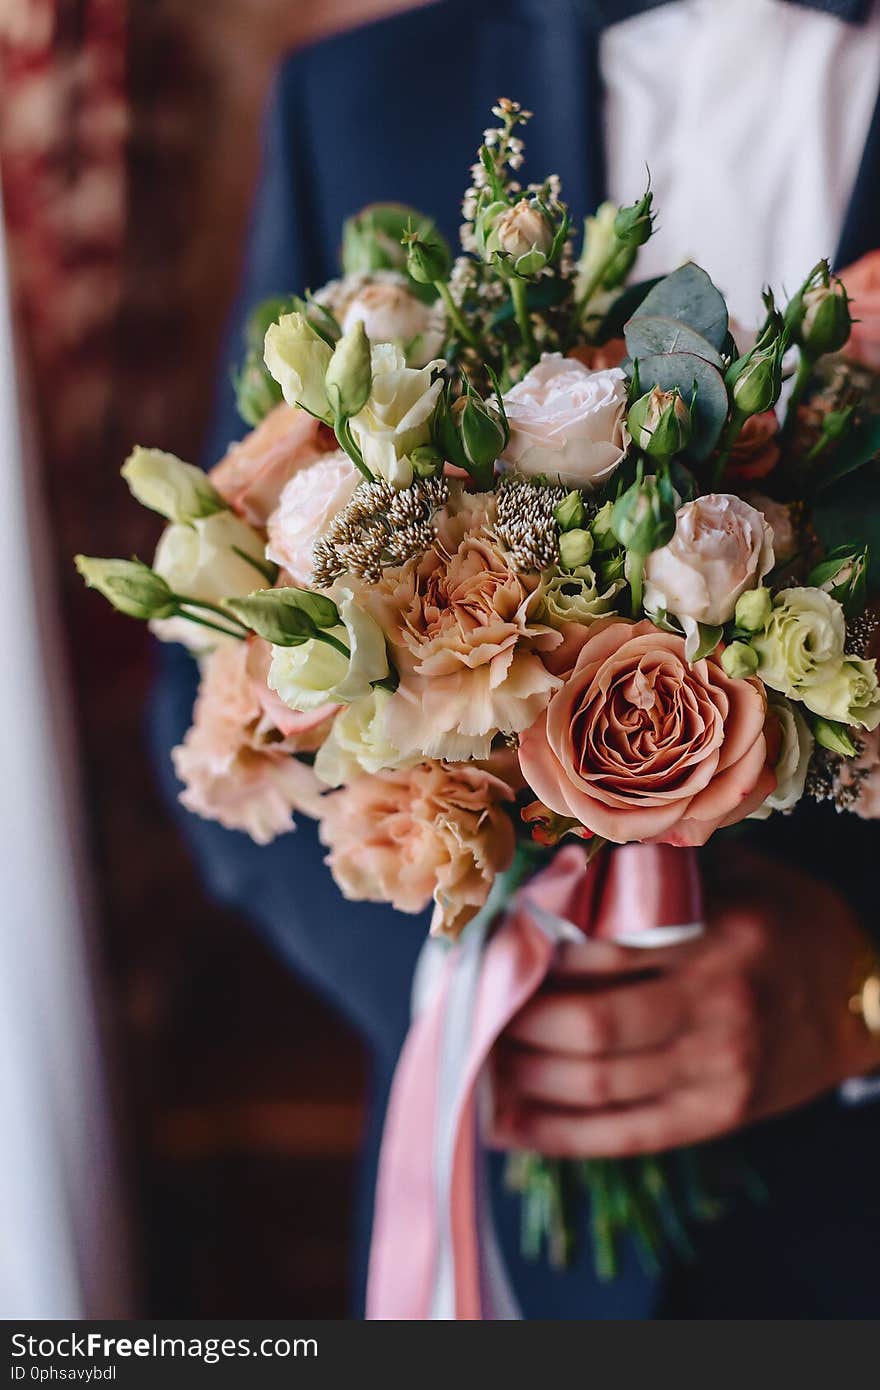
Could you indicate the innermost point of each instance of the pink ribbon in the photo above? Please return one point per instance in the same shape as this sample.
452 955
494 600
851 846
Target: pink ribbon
427 1212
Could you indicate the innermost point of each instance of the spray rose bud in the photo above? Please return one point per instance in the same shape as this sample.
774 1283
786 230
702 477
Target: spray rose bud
484 433
520 237
349 374
602 530
818 315
633 225
643 518
298 359
835 737
176 490
373 238
739 660
570 514
575 549
753 610
758 384
129 585
660 423
426 261
843 575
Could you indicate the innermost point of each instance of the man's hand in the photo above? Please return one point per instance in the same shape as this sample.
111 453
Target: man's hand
630 1051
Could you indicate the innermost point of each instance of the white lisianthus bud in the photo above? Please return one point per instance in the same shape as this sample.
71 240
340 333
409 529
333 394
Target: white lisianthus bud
341 671
298 359
739 660
176 490
130 586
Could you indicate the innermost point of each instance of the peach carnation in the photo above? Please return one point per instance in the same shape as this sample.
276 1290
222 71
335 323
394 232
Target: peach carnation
414 834
236 761
638 745
310 501
252 474
464 639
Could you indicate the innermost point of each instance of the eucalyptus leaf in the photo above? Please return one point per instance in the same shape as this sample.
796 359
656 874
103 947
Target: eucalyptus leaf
859 446
689 296
649 334
689 372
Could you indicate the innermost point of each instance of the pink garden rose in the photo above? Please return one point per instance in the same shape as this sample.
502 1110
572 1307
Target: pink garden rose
252 474
567 422
638 745
862 282
464 637
309 503
419 833
236 761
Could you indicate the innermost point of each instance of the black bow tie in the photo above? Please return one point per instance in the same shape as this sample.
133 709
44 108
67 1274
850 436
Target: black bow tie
614 11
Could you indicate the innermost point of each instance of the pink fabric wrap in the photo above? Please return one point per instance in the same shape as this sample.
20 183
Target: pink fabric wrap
626 894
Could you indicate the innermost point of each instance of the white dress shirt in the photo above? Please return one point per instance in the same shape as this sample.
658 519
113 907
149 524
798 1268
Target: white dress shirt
752 116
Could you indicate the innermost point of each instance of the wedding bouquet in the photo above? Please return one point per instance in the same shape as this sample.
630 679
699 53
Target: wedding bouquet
522 551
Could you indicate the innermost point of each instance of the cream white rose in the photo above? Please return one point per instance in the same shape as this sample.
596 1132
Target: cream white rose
397 417
794 758
317 673
389 311
722 546
358 743
201 560
567 422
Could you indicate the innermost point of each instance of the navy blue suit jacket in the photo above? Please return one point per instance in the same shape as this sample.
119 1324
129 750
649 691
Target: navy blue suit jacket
393 112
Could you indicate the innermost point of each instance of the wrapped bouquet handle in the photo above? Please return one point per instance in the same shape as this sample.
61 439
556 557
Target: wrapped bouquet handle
434 1253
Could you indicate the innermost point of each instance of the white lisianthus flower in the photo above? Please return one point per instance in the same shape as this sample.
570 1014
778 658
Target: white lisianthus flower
202 560
794 758
358 743
575 597
316 673
384 303
567 422
846 692
721 548
298 360
802 643
397 417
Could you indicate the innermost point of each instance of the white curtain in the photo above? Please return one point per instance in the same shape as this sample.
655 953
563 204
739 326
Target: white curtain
60 1242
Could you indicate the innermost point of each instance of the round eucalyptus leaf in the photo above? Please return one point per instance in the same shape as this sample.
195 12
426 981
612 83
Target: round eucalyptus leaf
689 372
648 334
689 296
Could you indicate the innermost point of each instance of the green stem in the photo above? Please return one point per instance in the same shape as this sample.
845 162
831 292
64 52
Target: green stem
523 322
455 315
215 627
342 430
594 282
802 376
729 436
211 608
635 573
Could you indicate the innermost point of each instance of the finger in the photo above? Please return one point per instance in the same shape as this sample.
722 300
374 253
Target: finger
577 959
553 1078
625 1019
683 1117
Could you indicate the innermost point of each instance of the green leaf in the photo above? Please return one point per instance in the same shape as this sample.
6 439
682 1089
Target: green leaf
859 446
647 334
689 372
689 296
851 516
709 639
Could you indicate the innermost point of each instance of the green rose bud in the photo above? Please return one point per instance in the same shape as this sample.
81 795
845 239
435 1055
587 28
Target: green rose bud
575 549
835 737
256 391
285 617
612 568
373 238
602 530
660 423
739 660
643 518
753 610
176 490
427 462
633 225
298 358
570 515
427 262
129 585
519 238
349 375
843 575
818 316
757 385
471 434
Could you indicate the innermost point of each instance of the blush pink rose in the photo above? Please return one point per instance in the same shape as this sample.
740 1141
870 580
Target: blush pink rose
862 282
236 762
638 745
567 422
253 472
308 504
431 831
